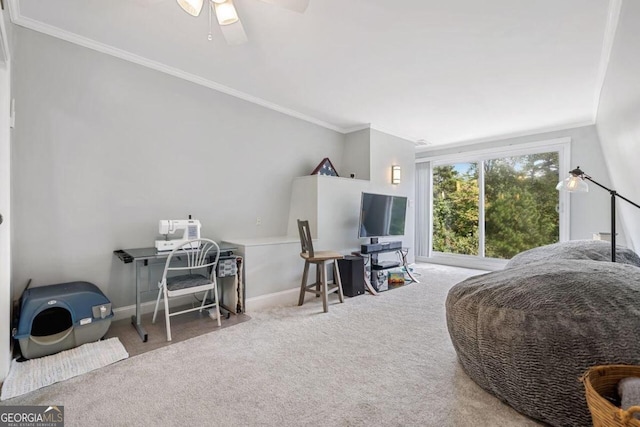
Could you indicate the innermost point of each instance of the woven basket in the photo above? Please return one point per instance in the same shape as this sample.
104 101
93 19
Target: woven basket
601 381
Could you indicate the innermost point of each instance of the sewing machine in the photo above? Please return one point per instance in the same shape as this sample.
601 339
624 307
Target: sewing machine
190 229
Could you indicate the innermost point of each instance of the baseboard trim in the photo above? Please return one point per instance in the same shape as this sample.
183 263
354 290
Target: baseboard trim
286 298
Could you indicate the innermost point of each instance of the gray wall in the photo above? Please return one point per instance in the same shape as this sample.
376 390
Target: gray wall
5 205
618 120
589 212
104 148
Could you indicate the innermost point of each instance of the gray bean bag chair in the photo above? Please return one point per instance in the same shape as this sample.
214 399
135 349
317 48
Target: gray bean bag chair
597 250
526 334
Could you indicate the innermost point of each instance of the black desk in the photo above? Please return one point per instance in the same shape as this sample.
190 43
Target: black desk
143 256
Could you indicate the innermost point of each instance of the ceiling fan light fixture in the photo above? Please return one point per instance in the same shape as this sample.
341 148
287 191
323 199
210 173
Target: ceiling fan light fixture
192 7
226 12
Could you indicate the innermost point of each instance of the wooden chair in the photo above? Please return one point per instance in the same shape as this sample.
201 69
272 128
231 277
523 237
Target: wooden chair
320 259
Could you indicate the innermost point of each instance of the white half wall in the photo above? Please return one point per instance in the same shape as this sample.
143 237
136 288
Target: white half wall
333 204
333 213
618 121
104 148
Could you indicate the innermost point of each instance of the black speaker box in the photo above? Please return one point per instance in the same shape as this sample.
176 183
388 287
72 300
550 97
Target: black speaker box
370 247
352 275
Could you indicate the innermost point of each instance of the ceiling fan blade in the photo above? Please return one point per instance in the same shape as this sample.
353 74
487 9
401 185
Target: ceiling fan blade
234 33
226 12
192 7
296 5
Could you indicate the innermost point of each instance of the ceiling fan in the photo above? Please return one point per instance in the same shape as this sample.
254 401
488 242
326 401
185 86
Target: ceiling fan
227 16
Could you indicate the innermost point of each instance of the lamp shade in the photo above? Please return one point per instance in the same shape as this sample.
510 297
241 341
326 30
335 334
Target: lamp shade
192 7
573 184
226 13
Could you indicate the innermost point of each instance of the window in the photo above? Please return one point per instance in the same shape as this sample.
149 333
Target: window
491 205
521 203
456 208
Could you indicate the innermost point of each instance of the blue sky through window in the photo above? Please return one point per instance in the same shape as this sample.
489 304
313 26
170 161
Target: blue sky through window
462 168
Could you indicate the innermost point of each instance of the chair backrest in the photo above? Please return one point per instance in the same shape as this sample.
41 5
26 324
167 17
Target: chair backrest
205 255
305 238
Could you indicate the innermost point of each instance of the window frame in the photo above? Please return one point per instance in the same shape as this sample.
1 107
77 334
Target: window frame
560 145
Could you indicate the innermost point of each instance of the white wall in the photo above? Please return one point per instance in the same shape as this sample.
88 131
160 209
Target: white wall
333 204
589 212
104 148
618 120
388 150
357 155
5 204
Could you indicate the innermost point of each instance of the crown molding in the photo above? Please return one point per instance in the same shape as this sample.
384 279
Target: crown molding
14 10
59 33
357 128
503 137
613 17
32 24
369 126
5 51
18 19
397 135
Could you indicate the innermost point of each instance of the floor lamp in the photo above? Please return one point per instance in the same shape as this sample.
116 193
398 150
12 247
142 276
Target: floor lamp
575 184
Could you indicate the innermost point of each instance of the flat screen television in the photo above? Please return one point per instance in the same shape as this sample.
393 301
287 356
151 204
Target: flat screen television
382 215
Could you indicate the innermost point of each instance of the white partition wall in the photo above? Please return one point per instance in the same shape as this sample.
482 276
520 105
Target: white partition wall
334 213
273 266
272 270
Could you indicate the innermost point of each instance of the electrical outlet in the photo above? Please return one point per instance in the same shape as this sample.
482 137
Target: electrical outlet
258 221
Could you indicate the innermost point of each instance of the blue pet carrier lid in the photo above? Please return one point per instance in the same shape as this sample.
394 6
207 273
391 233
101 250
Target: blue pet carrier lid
76 297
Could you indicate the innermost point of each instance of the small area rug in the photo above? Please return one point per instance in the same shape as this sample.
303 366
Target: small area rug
33 374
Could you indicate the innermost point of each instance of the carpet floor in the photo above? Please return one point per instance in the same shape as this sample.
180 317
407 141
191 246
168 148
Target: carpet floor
183 327
372 361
